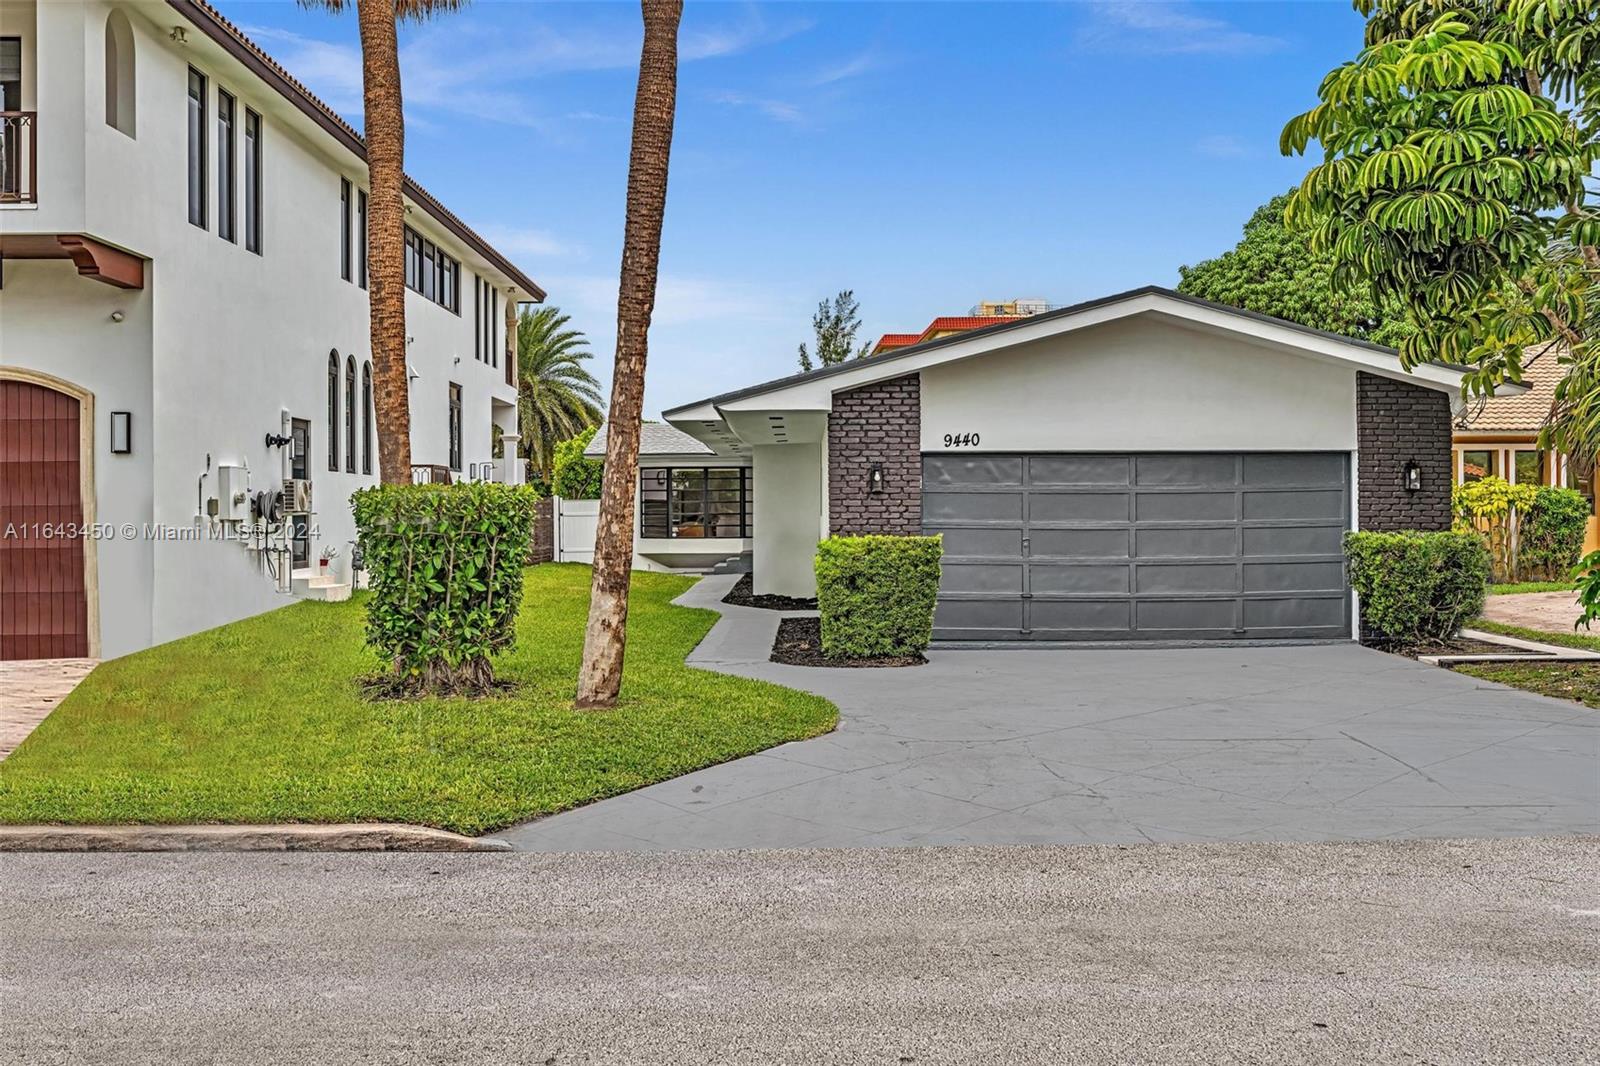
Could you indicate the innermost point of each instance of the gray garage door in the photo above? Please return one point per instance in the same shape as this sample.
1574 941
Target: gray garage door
1194 546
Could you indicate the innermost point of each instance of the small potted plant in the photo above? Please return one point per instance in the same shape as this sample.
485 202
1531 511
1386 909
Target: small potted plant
328 555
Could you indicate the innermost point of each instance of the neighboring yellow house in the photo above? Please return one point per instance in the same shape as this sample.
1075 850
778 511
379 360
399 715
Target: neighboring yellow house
1499 436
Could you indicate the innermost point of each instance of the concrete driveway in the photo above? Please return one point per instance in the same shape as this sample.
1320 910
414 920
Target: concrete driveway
1117 746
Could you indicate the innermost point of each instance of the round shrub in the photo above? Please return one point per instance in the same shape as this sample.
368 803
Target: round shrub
1417 587
574 475
876 595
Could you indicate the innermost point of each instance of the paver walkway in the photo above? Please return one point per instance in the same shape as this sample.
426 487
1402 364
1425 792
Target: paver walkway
1117 746
1553 612
30 690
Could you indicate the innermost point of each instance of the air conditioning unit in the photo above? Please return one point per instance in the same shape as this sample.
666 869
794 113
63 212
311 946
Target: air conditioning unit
297 495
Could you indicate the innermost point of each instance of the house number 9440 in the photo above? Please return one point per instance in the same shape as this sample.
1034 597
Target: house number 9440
960 440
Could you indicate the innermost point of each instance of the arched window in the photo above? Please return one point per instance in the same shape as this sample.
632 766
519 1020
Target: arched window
120 100
350 415
366 418
333 410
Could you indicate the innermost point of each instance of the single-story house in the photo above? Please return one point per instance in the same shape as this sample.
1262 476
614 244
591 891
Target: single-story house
1499 436
1147 466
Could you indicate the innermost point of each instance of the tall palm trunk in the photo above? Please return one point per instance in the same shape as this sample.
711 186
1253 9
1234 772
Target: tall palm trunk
604 641
385 136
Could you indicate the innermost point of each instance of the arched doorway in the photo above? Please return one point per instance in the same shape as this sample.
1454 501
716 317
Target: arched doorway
46 563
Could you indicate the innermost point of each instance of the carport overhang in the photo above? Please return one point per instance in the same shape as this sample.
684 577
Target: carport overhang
794 409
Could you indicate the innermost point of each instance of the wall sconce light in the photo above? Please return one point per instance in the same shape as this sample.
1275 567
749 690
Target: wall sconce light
121 432
1411 476
875 478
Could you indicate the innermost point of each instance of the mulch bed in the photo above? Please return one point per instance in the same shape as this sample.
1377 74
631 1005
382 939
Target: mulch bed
799 643
743 595
1462 646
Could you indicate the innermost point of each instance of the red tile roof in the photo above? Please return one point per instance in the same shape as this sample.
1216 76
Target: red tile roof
896 340
956 323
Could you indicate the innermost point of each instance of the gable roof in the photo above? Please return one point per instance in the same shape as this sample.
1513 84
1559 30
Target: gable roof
655 438
1523 412
1022 329
210 21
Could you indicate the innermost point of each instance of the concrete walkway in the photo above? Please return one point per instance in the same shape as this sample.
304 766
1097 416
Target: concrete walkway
1553 612
30 689
1100 746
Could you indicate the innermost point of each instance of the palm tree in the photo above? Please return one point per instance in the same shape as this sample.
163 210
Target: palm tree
385 135
604 640
557 397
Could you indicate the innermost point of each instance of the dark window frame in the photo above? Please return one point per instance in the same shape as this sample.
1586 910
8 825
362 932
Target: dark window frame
252 181
366 419
455 427
431 272
350 414
333 412
199 112
477 318
361 236
227 166
664 517
344 229
300 467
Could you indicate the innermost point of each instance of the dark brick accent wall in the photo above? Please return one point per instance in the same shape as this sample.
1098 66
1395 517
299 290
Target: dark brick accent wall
542 546
1397 421
879 423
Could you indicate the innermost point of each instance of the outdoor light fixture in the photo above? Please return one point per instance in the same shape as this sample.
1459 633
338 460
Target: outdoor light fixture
121 432
1411 476
875 478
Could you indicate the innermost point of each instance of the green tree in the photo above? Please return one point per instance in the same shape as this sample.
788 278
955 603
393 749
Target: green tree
835 325
1458 167
1274 271
575 475
557 396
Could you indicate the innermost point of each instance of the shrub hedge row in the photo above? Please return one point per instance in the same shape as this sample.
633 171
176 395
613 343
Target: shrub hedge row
1417 587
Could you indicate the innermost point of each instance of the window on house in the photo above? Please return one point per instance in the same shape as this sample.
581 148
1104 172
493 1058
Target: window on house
477 318
361 235
333 410
252 181
429 270
455 427
300 467
413 258
225 161
1477 465
366 418
431 273
344 228
350 414
692 502
120 98
1529 466
197 148
494 313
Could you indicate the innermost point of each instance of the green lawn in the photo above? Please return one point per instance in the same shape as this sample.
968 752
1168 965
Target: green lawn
1512 588
1568 681
261 721
1571 638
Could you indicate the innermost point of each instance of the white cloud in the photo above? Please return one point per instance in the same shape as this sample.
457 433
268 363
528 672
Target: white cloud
1222 146
850 68
777 110
529 242
1156 27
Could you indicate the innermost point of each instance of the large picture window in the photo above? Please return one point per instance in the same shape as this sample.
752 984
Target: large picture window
431 273
694 501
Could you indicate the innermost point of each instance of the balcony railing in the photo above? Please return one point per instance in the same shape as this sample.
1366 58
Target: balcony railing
430 474
19 157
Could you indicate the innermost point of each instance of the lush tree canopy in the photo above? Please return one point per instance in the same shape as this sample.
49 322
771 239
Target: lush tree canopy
1457 177
1274 271
576 477
557 396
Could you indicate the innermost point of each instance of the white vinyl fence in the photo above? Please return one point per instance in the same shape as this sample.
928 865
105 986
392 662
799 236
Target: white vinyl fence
575 524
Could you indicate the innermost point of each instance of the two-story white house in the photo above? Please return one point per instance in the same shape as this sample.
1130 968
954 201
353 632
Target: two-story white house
185 379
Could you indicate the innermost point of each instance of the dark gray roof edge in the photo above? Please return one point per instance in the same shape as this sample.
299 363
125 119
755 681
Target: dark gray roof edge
1060 312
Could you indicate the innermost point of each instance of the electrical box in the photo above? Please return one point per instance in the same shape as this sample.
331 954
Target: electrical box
233 493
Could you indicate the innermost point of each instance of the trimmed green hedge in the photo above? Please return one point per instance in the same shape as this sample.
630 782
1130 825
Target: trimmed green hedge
876 595
575 476
444 563
1551 538
1417 587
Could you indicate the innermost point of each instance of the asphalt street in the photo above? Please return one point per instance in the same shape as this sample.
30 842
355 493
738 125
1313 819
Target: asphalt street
1414 952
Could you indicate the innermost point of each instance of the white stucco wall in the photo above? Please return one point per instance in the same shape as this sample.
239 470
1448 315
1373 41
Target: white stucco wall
1140 385
788 485
54 321
230 338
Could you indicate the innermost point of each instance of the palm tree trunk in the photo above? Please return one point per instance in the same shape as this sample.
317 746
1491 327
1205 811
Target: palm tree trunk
385 136
604 641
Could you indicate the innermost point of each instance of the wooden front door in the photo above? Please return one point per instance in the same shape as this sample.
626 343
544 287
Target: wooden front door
43 600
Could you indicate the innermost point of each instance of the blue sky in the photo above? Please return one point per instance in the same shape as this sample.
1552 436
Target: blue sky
927 155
